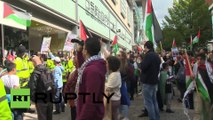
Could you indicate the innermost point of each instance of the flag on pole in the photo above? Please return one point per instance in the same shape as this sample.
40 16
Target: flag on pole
115 45
84 33
149 20
196 39
13 17
173 43
202 88
188 72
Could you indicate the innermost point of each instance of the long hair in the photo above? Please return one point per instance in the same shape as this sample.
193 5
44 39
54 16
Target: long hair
124 63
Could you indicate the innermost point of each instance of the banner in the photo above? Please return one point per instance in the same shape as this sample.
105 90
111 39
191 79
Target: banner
68 45
175 52
45 44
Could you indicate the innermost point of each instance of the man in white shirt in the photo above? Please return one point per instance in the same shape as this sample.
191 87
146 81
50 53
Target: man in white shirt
11 80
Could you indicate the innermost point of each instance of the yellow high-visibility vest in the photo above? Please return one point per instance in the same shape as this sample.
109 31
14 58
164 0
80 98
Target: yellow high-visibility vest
5 112
22 68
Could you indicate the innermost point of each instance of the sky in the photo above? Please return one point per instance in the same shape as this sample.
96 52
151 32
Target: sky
161 9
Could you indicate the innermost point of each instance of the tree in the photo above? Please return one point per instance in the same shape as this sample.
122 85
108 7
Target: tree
184 20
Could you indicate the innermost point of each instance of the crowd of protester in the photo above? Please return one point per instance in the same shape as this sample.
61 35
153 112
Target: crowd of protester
120 77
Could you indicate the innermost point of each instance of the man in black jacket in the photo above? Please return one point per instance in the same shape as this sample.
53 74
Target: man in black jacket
150 68
45 106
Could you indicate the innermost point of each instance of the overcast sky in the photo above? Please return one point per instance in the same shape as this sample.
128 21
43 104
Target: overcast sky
161 8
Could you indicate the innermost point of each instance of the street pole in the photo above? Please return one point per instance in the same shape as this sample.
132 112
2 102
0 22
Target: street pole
2 38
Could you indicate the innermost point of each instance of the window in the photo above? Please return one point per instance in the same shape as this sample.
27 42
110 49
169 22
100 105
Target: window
129 17
123 8
114 2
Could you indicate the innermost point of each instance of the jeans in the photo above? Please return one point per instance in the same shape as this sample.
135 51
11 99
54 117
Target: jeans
44 111
59 98
150 101
124 109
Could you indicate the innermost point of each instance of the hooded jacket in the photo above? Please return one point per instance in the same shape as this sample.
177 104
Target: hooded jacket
150 68
93 82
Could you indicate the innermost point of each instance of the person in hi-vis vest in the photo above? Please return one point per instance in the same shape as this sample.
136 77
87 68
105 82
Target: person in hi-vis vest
22 66
5 112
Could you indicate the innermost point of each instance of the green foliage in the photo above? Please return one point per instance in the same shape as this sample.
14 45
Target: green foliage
185 20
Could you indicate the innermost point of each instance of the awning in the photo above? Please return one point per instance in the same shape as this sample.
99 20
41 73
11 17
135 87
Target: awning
14 18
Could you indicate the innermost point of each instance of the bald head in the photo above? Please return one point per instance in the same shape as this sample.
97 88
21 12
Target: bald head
36 60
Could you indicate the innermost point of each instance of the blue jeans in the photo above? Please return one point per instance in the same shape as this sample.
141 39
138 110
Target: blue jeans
60 107
124 110
150 101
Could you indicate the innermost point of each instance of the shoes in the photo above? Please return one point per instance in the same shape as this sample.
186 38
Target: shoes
169 111
161 109
56 112
180 100
143 115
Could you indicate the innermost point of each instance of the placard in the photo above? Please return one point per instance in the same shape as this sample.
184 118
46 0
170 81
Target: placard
68 45
45 44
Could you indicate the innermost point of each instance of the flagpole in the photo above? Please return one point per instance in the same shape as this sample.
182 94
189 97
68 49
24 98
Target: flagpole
190 69
2 38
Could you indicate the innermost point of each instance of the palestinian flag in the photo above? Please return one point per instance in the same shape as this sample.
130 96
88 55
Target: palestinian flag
188 73
202 88
152 28
84 33
115 45
174 44
13 17
196 39
149 20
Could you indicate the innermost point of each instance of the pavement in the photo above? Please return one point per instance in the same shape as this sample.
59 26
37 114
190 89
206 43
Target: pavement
135 110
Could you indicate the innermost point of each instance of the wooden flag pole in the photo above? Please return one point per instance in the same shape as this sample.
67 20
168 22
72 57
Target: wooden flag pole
190 69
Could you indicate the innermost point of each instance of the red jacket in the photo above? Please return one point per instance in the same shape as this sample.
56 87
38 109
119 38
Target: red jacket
93 81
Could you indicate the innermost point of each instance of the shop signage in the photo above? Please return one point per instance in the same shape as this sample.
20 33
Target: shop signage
96 13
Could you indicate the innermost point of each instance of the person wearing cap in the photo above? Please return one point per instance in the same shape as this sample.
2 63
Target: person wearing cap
150 68
22 66
57 73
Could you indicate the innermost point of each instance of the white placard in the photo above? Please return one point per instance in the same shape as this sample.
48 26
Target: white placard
45 44
68 45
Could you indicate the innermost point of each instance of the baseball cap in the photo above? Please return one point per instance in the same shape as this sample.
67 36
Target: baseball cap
80 42
57 59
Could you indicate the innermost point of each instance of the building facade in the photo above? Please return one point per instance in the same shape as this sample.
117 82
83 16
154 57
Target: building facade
103 18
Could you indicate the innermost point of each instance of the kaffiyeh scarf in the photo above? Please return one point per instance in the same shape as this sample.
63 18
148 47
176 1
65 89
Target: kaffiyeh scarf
81 70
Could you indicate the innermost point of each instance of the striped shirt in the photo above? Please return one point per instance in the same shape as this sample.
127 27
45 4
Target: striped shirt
10 80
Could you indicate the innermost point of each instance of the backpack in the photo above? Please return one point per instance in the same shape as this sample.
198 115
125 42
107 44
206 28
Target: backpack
46 80
181 75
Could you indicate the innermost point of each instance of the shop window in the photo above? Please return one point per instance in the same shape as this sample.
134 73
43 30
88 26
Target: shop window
123 8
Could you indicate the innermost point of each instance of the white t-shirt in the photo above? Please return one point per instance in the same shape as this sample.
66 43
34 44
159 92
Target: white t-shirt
114 85
10 80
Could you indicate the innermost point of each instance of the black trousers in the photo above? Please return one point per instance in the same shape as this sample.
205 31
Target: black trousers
73 113
159 99
44 111
182 89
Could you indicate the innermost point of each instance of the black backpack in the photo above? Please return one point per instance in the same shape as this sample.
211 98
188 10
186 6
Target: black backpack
46 83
